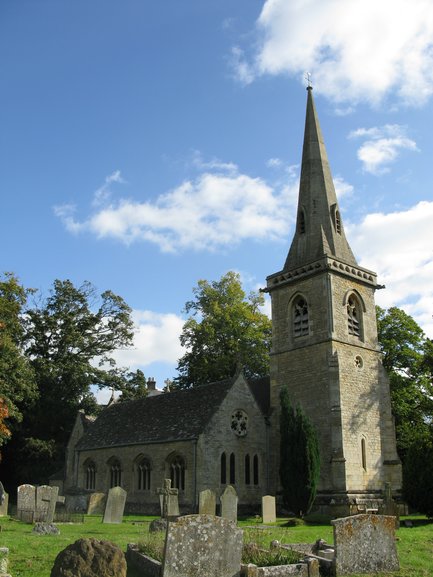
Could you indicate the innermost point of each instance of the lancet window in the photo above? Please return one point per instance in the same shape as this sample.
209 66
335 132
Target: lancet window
300 317
143 475
177 473
353 317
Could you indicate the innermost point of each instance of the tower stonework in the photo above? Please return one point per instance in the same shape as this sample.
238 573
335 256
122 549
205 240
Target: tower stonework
325 347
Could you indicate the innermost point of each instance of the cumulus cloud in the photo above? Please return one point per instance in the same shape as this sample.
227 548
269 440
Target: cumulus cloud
399 246
213 211
382 146
156 339
357 50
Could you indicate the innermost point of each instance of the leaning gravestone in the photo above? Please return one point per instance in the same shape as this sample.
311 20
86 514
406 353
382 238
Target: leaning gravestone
207 502
269 514
26 503
229 504
115 505
97 502
202 545
365 544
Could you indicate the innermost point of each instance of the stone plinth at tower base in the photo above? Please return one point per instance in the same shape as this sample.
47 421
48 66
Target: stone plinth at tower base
337 505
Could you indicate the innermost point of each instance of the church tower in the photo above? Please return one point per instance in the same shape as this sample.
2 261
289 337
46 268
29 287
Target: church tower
325 347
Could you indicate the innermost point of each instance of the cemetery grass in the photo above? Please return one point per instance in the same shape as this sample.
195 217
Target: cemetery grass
33 555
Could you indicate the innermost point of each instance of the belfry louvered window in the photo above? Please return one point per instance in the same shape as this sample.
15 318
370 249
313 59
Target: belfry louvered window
300 317
353 317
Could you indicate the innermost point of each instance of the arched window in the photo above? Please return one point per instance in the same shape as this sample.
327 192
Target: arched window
256 470
90 471
363 454
232 469
247 470
143 475
353 316
115 473
300 317
177 473
223 469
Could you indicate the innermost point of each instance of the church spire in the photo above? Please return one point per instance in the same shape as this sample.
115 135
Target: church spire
319 229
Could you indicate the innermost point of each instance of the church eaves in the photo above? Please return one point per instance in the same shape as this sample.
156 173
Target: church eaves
319 229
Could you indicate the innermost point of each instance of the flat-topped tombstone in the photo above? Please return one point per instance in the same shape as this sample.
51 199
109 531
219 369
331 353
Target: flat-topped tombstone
269 513
365 544
115 505
199 545
97 502
26 503
169 500
229 504
207 502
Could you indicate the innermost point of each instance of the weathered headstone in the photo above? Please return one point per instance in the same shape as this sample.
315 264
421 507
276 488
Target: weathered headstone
169 500
229 504
269 512
47 498
4 501
115 505
207 502
4 561
365 544
26 503
389 506
97 502
202 545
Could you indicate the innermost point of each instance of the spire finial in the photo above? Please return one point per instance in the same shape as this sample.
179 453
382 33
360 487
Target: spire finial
308 79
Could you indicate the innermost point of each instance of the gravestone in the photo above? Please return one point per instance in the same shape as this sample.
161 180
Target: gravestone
199 545
97 502
229 504
115 505
52 498
4 501
269 513
207 502
389 506
26 503
365 544
169 500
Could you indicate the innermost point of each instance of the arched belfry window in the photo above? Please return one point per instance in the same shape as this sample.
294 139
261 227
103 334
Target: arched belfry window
338 221
144 470
353 316
90 472
177 473
115 473
300 317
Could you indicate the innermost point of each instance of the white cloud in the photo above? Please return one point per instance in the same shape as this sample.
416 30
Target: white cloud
356 49
213 211
399 247
103 193
156 339
382 146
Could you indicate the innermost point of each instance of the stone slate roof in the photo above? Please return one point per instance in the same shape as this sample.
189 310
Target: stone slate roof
174 416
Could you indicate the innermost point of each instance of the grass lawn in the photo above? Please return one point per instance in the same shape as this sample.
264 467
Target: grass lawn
33 555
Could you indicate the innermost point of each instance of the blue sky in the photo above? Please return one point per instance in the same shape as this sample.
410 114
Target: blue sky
147 145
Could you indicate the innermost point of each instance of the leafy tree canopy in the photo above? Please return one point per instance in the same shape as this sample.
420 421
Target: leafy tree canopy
226 328
408 358
17 383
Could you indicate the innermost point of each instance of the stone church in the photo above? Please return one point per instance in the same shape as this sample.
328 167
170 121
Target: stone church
325 350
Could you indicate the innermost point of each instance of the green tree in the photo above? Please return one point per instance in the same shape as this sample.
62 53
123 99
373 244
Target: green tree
226 328
418 476
408 359
299 457
17 382
69 340
134 386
